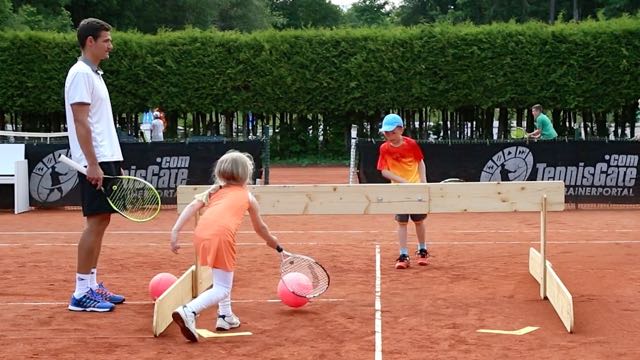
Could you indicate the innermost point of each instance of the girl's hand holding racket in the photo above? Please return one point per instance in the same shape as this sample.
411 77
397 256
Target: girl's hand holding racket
316 273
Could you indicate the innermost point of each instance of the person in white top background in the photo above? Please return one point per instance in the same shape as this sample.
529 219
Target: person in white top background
157 128
93 142
637 137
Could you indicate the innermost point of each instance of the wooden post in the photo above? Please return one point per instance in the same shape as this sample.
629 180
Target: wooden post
196 274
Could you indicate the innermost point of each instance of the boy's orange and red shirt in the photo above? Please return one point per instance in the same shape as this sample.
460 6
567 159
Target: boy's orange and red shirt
401 160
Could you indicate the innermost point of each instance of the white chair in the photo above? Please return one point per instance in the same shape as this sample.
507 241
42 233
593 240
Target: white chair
14 171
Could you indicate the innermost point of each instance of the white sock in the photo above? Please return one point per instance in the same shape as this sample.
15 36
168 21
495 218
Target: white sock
82 285
93 283
222 282
224 306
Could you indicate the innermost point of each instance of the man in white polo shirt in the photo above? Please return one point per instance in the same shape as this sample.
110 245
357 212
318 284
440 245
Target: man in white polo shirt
94 144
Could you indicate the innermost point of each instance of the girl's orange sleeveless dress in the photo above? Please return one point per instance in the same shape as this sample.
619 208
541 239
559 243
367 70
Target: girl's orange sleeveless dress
215 234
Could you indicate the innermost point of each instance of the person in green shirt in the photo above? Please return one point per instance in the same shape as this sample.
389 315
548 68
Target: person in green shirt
544 127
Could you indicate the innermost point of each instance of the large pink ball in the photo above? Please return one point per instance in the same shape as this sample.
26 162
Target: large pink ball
299 283
160 283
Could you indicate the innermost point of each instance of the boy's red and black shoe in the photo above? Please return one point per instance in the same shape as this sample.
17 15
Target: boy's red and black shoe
422 256
402 262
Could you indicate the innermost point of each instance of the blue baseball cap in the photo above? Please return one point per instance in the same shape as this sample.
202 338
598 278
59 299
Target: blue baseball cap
390 122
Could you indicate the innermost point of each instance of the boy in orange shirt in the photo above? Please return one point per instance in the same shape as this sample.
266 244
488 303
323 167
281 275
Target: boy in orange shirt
401 161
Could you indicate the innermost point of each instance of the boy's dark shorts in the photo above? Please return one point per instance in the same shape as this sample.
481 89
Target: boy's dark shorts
94 201
404 218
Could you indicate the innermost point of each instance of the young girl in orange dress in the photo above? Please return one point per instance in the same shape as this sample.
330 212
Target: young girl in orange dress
225 204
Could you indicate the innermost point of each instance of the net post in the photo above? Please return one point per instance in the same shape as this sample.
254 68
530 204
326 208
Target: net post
543 243
266 155
352 160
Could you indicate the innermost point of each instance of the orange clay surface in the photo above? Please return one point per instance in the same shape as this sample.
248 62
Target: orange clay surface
477 279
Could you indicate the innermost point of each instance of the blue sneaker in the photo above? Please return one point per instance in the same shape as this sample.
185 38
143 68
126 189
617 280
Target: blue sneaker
107 295
90 301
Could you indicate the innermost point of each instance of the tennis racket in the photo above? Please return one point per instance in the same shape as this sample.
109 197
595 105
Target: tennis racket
452 180
134 198
518 133
294 263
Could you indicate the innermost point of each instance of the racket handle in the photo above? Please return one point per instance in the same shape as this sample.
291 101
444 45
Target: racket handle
279 248
72 164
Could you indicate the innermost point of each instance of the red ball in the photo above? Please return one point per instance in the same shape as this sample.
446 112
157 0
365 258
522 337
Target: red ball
160 283
297 282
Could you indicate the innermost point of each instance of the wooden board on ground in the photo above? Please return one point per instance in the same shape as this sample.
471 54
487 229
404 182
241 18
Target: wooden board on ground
208 334
557 293
178 294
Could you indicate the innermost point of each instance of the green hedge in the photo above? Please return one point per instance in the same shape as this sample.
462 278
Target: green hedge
345 76
592 65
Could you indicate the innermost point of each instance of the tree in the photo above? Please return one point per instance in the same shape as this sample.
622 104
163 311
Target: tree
150 16
42 15
6 14
243 15
146 16
368 13
413 12
299 14
614 8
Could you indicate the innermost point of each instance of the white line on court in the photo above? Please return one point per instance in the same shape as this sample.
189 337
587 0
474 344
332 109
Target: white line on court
487 242
61 303
378 309
156 232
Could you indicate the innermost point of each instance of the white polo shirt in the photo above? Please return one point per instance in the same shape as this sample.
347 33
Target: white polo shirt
157 127
84 84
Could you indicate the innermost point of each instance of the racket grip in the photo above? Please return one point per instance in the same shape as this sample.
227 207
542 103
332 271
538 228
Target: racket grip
279 248
72 164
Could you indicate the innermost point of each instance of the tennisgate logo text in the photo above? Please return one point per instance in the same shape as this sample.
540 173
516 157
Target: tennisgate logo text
615 176
165 175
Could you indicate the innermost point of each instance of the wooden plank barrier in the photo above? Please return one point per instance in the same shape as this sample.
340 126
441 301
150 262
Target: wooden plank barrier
363 199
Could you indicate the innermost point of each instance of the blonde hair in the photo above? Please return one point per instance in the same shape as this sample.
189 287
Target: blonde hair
233 168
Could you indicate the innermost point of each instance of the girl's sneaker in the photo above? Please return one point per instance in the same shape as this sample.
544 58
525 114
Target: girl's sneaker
227 322
186 320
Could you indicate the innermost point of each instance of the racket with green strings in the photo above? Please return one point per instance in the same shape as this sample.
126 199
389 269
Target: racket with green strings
518 133
132 197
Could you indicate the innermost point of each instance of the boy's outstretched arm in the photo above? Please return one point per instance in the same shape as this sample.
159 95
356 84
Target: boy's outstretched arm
259 226
185 215
422 170
388 174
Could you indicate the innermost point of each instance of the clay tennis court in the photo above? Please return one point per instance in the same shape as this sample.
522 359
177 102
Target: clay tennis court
477 279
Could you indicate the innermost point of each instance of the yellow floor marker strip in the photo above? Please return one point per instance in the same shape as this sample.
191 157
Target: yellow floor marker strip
210 334
523 331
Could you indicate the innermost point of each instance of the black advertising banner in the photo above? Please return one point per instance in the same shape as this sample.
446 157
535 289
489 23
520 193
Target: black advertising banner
593 172
164 165
51 183
167 165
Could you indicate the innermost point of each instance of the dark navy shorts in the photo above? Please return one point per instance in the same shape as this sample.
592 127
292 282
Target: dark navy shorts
94 201
404 218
